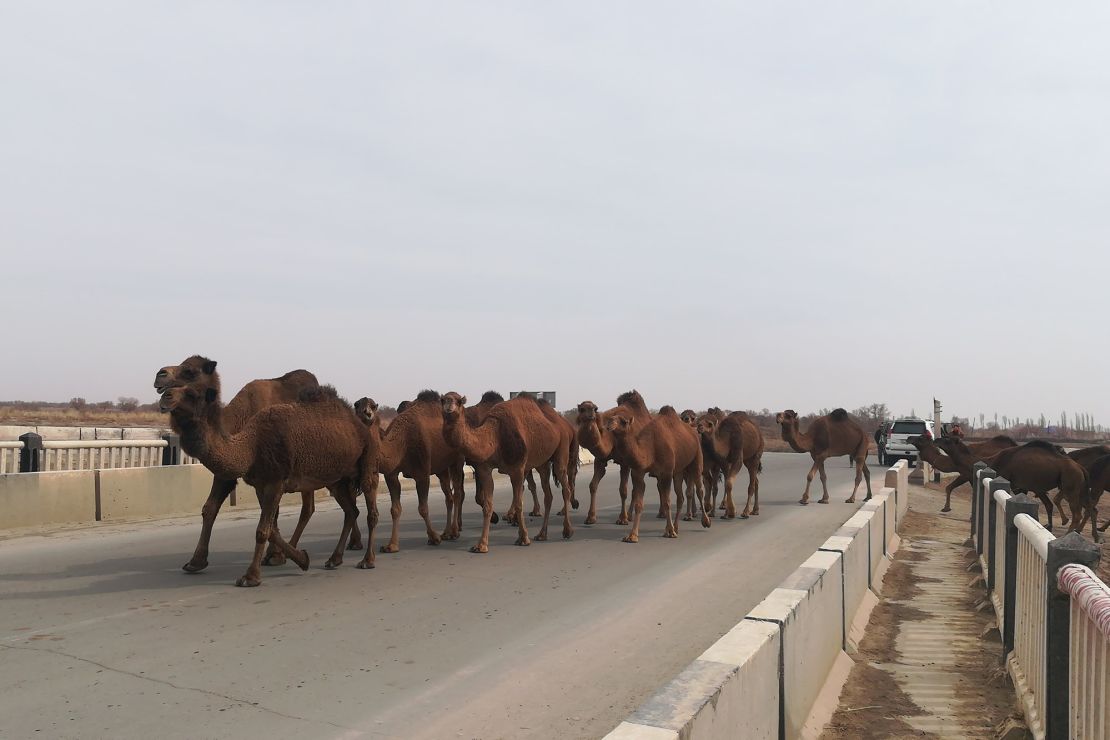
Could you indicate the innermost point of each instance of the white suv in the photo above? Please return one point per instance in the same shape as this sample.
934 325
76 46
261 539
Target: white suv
898 445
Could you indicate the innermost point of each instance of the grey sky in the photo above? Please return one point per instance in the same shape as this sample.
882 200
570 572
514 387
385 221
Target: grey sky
783 204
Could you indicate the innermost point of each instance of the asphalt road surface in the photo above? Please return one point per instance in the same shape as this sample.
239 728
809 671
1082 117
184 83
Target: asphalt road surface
104 636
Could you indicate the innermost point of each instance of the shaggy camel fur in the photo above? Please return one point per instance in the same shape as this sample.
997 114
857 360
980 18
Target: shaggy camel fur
595 437
515 436
828 436
938 454
1038 467
413 446
727 445
314 443
252 398
666 449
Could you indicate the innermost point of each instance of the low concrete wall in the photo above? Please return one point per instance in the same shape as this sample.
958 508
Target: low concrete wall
852 542
36 499
129 493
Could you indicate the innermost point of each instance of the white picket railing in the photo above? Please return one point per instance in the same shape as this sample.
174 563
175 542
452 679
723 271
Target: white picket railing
9 456
1089 652
100 454
1028 661
998 581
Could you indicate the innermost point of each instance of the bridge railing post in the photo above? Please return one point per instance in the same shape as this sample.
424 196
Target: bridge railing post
171 453
30 457
1021 504
998 484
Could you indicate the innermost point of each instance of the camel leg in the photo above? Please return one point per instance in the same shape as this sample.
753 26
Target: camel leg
567 484
423 482
622 489
664 506
693 480
751 507
638 486
517 479
670 530
824 482
730 503
371 498
809 480
393 483
707 505
308 508
1058 499
221 489
344 494
959 481
717 492
448 485
861 471
545 479
599 473
679 499
531 479
483 478
267 500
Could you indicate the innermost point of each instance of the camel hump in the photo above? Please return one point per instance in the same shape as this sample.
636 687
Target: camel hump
668 411
319 394
1040 444
838 415
492 397
299 377
1003 439
632 398
428 396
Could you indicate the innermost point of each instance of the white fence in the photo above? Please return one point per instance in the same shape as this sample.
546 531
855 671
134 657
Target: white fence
89 454
9 457
1053 612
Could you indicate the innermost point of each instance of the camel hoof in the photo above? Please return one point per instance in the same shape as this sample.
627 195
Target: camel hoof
721 507
825 501
744 516
568 533
245 582
804 502
574 504
479 549
433 541
364 565
705 522
660 515
523 542
494 519
670 535
591 519
729 516
755 512
541 537
354 546
388 549
622 520
191 567
560 512
630 538
332 564
304 556
540 513
687 518
946 508
450 536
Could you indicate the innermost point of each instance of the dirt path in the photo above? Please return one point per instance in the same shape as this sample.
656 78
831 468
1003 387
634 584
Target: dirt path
922 669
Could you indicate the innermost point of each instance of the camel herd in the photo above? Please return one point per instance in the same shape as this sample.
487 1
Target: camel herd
290 434
1079 477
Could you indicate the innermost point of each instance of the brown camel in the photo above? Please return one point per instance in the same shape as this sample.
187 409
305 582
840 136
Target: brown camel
515 436
727 445
828 436
314 443
1099 474
475 415
664 448
938 454
1088 456
713 471
689 418
595 437
413 446
252 398
1038 467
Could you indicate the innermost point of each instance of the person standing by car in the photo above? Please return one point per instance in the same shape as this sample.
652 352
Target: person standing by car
880 442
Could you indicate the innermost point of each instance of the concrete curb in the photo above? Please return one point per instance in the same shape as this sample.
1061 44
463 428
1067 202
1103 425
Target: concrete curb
779 672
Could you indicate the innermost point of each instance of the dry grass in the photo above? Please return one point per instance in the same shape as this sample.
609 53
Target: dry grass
88 417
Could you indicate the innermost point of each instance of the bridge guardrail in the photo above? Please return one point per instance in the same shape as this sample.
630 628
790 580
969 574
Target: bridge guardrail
1051 646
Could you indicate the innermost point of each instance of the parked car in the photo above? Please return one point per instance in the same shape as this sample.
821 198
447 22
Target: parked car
898 445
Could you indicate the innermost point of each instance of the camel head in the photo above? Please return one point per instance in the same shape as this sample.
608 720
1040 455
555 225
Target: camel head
790 416
366 409
619 422
587 412
188 372
186 401
453 405
950 444
920 441
689 418
707 424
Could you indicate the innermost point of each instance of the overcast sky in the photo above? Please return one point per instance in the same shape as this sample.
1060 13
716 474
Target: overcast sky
777 205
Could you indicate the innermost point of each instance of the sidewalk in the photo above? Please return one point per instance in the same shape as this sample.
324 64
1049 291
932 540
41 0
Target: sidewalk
929 664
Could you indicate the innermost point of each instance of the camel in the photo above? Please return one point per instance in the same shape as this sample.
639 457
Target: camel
595 437
413 446
1088 456
664 448
727 445
252 398
938 453
828 436
1038 467
713 472
515 436
1099 475
314 443
689 418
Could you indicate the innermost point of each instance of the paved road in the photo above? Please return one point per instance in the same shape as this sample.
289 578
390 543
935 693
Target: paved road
104 636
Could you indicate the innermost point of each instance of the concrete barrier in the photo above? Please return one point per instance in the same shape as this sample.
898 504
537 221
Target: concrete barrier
129 493
852 541
37 499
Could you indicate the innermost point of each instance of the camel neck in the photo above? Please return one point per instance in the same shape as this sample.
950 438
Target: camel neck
477 443
203 437
793 436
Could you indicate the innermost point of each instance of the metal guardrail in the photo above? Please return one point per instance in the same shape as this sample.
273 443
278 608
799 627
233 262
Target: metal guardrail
32 454
1060 676
1089 651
